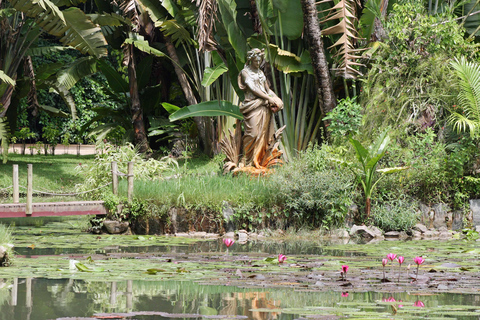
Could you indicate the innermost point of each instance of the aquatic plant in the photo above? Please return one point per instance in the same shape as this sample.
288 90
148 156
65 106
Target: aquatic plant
344 294
400 261
418 261
419 303
281 258
384 263
228 242
344 272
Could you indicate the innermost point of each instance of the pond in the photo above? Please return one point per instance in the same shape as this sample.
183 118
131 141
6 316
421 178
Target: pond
62 273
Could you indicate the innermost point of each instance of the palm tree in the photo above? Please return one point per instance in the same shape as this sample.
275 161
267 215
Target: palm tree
466 115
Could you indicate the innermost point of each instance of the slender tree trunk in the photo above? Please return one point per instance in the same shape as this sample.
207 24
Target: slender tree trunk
325 92
204 124
140 136
5 101
379 33
367 207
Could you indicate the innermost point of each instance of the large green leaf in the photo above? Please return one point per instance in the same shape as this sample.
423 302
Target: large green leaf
290 17
77 70
143 45
6 79
40 51
472 22
175 31
212 74
228 13
109 19
155 9
144 70
114 78
208 109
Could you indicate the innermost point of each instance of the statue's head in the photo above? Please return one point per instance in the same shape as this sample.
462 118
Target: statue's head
255 54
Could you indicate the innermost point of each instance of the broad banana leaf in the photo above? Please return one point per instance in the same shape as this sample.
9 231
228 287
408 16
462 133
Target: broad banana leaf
208 109
290 17
114 78
212 74
228 14
472 22
143 45
40 51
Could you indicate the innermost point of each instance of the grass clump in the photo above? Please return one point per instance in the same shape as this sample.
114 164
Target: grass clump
6 246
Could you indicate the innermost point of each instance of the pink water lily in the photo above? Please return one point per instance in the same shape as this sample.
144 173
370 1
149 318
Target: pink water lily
384 263
418 261
418 304
400 261
282 258
344 271
391 256
228 242
344 294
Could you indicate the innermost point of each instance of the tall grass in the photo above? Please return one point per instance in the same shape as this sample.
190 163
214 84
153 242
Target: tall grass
205 191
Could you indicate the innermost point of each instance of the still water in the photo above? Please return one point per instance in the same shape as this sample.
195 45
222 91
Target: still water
32 299
41 286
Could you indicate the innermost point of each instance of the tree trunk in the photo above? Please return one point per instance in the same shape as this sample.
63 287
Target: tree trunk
5 101
367 207
140 136
204 124
379 33
325 92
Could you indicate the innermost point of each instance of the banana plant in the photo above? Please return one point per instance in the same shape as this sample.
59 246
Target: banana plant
366 170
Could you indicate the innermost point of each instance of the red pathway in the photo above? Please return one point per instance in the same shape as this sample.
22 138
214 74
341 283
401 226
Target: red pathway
47 209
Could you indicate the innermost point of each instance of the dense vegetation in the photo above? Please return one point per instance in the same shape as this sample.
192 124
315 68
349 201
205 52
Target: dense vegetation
408 89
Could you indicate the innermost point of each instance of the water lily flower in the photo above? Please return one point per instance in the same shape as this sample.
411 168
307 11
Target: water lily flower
281 258
400 261
418 261
344 271
391 256
418 304
384 263
345 294
228 242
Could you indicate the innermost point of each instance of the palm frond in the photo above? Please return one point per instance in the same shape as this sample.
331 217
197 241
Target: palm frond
75 71
175 31
345 12
468 97
72 25
40 51
206 21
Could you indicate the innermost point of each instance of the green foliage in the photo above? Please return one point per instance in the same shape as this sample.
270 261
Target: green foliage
6 240
99 172
399 214
345 119
313 190
467 116
427 178
409 82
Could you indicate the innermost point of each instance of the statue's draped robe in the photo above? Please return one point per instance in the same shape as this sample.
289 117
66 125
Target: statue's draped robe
258 120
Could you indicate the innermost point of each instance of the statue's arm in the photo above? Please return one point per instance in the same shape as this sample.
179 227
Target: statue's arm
256 91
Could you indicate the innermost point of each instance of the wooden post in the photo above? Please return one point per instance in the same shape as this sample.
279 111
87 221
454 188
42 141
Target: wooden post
130 181
28 295
14 292
129 294
114 178
28 209
113 294
16 197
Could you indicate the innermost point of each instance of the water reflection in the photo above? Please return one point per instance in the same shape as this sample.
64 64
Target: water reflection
31 299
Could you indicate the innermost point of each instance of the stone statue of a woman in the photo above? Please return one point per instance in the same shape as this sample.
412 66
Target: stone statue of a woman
258 108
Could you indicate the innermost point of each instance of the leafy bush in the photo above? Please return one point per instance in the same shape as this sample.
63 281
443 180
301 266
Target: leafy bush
345 119
99 172
313 190
6 239
399 214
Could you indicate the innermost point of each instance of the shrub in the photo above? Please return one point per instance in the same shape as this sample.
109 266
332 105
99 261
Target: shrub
314 191
399 214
